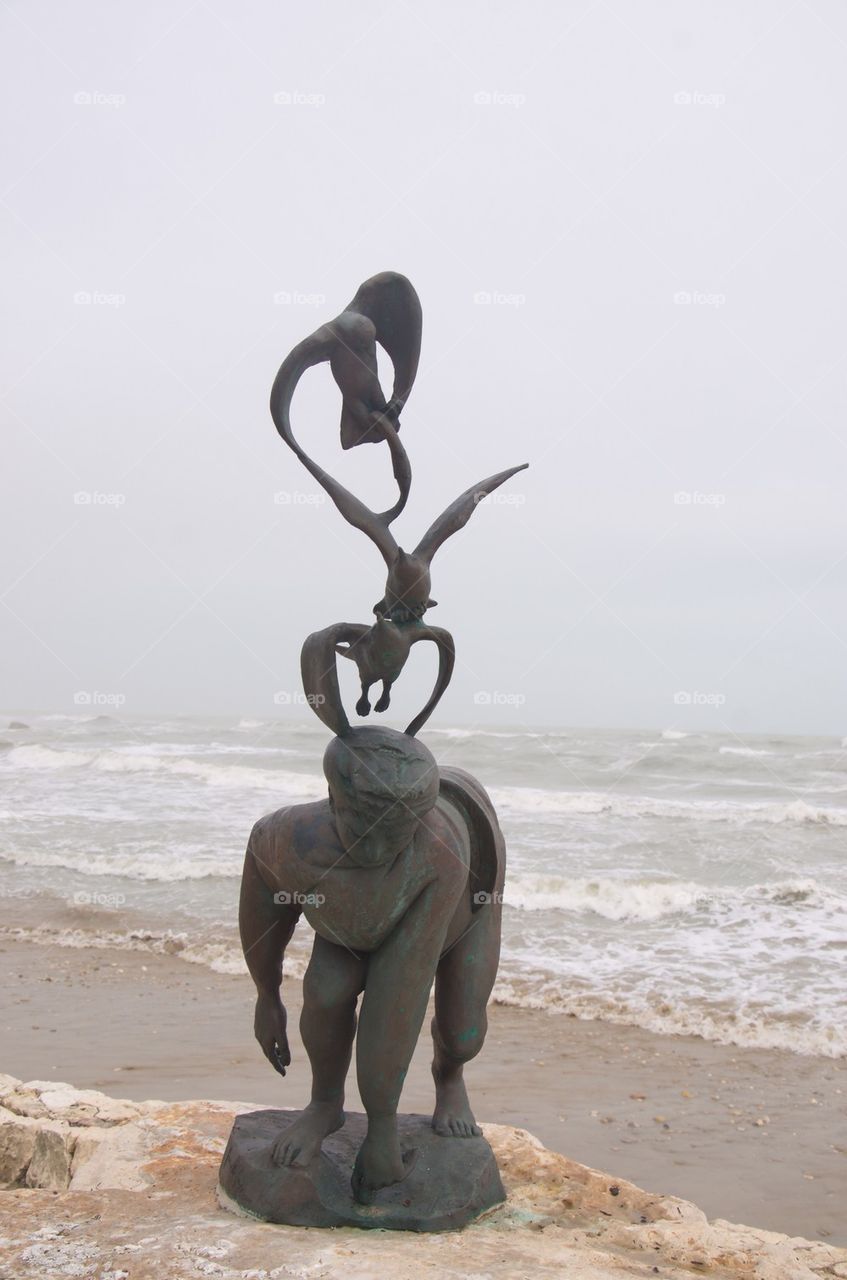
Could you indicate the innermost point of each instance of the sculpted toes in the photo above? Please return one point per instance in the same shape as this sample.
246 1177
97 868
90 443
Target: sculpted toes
363 1193
285 1154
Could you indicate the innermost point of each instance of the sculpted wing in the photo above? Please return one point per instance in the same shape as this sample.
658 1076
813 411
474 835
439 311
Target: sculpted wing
459 513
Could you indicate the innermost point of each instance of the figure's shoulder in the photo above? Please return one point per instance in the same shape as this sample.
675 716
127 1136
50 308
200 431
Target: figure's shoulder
288 829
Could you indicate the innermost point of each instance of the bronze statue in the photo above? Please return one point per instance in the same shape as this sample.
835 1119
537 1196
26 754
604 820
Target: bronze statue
399 871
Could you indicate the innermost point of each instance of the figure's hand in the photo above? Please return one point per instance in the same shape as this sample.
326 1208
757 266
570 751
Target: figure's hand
269 1025
394 407
382 420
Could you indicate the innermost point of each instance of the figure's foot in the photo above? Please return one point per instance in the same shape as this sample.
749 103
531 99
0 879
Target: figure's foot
384 702
380 1163
363 706
302 1140
453 1117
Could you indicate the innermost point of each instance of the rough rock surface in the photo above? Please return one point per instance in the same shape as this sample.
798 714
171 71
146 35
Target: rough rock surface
141 1203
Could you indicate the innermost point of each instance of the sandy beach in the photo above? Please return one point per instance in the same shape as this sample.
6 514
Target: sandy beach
751 1135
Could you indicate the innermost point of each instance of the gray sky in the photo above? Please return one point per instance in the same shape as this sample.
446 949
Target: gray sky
626 225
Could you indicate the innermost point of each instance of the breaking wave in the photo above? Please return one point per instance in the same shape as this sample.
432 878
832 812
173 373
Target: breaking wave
622 899
302 785
722 1024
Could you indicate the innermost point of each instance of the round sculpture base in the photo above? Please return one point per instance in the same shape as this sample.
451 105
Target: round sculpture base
453 1181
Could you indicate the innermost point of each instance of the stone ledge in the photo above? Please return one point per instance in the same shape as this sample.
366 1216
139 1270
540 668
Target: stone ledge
135 1199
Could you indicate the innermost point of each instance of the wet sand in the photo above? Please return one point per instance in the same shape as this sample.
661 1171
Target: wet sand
751 1135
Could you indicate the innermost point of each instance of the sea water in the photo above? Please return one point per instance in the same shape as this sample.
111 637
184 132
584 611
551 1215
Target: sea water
686 883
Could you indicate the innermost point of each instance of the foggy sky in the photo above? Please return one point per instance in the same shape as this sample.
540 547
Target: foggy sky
626 225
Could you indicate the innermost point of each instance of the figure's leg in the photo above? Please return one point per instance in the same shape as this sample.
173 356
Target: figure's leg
385 697
331 987
463 984
399 979
363 706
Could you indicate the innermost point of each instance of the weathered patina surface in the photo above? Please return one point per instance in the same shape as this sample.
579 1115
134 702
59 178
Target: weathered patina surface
399 871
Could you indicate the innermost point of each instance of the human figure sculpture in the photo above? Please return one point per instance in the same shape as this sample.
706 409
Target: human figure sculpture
400 870
400 873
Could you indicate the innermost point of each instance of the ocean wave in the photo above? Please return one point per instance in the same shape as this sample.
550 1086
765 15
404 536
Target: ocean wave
742 751
537 802
723 1025
728 1020
34 756
301 785
220 957
646 901
674 735
459 734
800 811
167 865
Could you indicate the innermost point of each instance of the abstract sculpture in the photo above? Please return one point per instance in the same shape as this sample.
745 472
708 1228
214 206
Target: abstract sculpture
399 871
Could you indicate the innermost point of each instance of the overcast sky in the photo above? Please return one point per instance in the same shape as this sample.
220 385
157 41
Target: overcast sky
626 223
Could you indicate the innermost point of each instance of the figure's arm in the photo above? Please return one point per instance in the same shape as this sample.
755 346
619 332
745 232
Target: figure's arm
266 926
